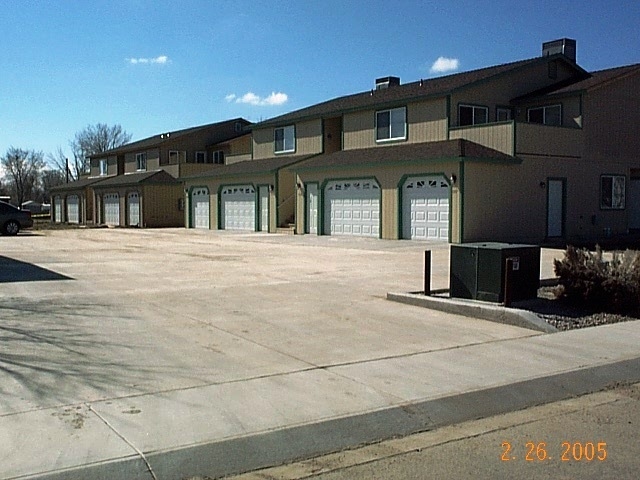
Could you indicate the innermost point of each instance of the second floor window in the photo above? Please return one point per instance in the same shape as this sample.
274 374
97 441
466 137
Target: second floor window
218 157
201 157
549 115
103 167
285 139
391 124
472 115
503 114
141 161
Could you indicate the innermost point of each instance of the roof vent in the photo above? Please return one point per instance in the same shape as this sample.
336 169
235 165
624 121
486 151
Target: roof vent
386 82
565 46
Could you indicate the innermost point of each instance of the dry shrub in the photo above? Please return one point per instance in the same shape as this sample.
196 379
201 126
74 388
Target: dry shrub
609 285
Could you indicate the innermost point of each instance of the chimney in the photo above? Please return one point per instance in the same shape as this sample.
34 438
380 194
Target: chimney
565 46
386 82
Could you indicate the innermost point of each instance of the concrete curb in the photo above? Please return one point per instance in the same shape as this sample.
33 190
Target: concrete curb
475 309
243 454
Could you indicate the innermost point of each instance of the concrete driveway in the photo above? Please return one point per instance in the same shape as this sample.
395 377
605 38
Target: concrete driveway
119 345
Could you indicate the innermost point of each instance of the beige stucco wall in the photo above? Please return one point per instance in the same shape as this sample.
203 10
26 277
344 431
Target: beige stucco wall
426 122
390 179
308 140
215 184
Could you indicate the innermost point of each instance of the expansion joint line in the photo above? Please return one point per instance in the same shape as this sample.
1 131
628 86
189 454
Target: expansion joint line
137 450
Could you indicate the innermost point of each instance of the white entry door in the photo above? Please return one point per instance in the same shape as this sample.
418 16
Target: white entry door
264 208
555 207
57 209
352 207
238 207
200 207
312 208
425 208
111 208
133 204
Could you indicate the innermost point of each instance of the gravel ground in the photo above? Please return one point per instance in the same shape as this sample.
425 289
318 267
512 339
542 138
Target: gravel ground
565 316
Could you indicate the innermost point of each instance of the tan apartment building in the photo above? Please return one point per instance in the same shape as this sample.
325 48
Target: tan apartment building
537 150
138 184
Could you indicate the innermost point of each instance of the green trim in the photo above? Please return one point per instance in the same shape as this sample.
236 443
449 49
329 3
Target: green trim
564 207
400 212
244 184
323 186
461 189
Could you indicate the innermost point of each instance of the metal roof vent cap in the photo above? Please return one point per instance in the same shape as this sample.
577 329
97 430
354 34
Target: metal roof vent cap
565 46
387 82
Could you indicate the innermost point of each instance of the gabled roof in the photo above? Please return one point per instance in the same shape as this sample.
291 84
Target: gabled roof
251 167
219 132
77 184
434 87
445 150
138 178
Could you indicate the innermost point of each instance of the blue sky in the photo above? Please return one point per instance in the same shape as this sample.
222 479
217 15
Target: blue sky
156 66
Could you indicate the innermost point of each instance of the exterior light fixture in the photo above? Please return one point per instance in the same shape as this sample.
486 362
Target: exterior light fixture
453 178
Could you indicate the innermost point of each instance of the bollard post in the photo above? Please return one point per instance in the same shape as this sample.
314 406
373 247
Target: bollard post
508 271
427 272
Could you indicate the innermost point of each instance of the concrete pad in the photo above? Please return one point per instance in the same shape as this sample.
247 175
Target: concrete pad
207 353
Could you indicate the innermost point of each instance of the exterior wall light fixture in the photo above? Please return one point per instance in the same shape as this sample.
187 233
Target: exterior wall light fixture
453 178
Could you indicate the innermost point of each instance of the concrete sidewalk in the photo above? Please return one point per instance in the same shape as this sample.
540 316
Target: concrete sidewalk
249 369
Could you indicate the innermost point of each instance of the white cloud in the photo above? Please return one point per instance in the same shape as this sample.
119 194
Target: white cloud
251 98
444 64
161 60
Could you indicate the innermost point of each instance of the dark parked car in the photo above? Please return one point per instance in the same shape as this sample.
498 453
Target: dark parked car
12 219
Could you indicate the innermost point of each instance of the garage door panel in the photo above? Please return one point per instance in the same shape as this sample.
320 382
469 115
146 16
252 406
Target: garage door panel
425 208
352 208
73 209
239 208
111 208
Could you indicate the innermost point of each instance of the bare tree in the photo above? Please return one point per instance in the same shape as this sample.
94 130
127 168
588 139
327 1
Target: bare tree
22 172
60 161
48 179
94 139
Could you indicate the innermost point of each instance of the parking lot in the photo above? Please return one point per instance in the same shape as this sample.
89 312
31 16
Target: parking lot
173 337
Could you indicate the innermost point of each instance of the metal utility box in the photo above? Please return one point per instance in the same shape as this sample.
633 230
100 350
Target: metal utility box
478 271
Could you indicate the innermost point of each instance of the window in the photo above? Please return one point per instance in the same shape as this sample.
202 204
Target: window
612 192
285 139
472 115
549 115
391 124
141 161
176 157
103 166
201 157
503 114
218 157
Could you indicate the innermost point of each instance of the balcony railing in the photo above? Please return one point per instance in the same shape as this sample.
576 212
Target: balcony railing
519 138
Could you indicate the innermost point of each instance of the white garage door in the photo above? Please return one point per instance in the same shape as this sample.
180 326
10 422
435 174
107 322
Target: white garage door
133 205
57 209
200 207
111 208
264 208
312 208
73 209
238 208
425 208
352 207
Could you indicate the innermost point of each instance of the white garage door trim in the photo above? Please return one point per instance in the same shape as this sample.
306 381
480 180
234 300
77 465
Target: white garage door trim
200 208
425 208
238 207
352 207
73 209
111 203
264 207
57 209
133 206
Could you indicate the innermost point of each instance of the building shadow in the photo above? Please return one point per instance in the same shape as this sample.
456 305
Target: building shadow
12 271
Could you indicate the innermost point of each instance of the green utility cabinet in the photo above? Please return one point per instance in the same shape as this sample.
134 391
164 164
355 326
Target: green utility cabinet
478 271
